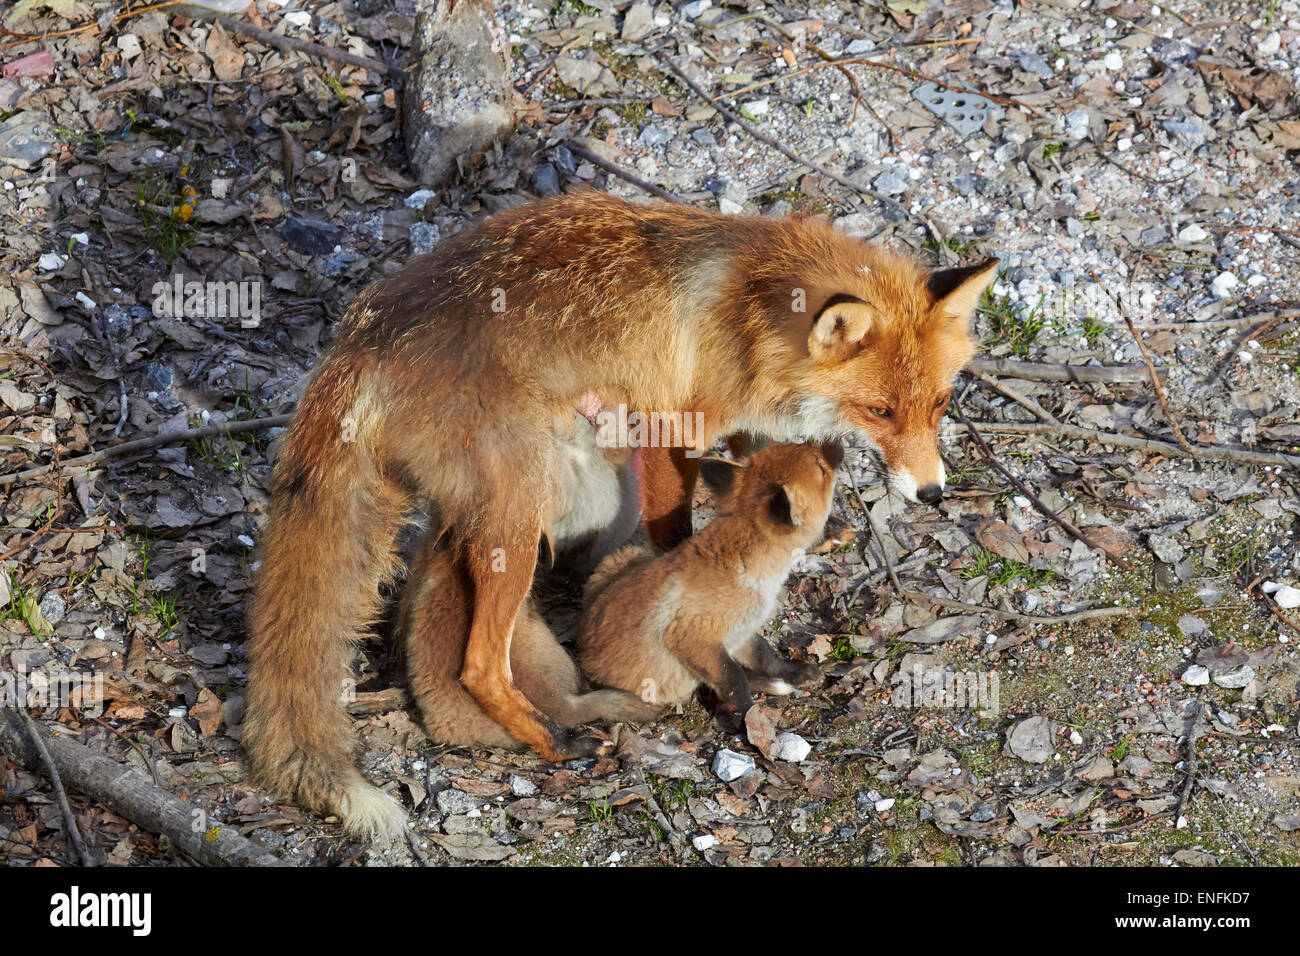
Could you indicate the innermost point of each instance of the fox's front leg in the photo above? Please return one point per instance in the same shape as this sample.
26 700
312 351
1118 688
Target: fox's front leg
771 673
500 562
667 490
691 642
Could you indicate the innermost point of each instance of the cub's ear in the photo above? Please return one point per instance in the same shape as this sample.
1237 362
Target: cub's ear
957 291
719 474
833 452
782 512
839 328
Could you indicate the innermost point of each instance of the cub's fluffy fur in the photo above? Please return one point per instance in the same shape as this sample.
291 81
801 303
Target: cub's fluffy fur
661 626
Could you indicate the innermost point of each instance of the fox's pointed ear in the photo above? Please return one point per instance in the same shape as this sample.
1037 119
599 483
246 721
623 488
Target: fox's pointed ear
782 512
719 474
839 328
958 291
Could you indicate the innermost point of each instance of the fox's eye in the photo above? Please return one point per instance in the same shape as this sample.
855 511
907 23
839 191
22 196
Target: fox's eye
880 412
941 402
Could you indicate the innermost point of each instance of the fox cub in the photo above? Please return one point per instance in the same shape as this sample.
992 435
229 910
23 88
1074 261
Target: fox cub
598 492
661 626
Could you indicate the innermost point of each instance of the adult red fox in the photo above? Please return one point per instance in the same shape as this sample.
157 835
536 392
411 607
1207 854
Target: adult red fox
660 626
445 379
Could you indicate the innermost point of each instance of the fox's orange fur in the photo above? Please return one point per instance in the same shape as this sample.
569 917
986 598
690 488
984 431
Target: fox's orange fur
661 626
445 379
434 621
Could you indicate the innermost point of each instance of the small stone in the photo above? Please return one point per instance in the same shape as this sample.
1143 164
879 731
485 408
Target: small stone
1236 677
791 747
311 237
704 841
653 136
703 137
521 786
546 179
1113 61
1270 44
117 321
1076 124
1033 63
637 21
457 801
418 199
1196 676
1166 549
1192 233
53 607
1191 625
729 207
1031 739
1076 738
729 765
982 813
158 376
858 47
1285 596
1223 284
50 260
692 10
884 804
889 183
423 237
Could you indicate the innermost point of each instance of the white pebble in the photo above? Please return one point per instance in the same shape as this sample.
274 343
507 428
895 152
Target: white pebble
1224 283
885 804
791 747
1114 61
1192 233
704 842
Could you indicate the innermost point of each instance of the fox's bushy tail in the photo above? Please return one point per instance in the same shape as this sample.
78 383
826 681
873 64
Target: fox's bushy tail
325 551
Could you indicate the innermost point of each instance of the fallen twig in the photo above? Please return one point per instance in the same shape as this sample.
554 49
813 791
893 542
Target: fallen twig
81 464
302 46
598 160
1022 400
70 831
1151 365
1052 372
1023 488
1189 763
129 794
785 151
1153 445
1087 614
876 533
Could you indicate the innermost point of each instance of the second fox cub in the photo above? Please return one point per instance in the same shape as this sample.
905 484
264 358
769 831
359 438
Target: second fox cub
659 627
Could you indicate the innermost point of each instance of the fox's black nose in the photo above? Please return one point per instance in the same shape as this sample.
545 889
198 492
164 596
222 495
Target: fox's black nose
930 493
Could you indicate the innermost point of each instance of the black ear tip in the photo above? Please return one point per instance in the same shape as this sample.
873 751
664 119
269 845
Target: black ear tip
833 452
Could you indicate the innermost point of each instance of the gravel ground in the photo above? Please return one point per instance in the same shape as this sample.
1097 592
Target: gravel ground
1129 160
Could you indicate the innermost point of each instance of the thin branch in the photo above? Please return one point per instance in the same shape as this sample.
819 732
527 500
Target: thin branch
598 160
1155 446
876 533
1022 400
82 464
785 151
1086 614
1033 498
1053 372
70 831
1151 365
302 46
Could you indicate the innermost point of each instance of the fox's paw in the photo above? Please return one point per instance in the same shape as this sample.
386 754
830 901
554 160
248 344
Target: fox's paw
573 747
369 813
806 674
